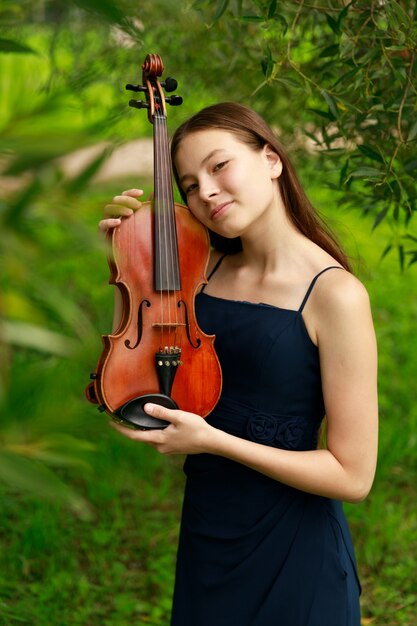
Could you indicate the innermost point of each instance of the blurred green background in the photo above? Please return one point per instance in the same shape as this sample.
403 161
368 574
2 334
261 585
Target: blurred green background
89 521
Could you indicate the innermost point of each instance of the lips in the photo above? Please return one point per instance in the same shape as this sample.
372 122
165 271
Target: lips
219 210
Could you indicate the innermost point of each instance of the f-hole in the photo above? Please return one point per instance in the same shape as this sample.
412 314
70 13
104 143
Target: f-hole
139 326
187 325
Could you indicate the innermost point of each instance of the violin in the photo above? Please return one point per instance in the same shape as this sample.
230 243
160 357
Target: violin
158 261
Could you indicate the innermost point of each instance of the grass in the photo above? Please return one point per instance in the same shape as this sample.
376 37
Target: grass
117 568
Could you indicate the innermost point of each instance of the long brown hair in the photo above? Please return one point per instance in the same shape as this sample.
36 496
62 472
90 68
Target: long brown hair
251 129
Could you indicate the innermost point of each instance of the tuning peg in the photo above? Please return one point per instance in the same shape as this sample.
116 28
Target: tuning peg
130 87
174 100
170 84
138 104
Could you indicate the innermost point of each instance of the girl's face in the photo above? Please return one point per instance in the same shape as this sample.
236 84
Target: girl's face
228 184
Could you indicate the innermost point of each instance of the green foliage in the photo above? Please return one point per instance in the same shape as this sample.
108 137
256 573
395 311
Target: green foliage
346 74
89 521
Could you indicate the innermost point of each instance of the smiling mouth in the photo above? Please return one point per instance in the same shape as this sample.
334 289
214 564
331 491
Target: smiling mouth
219 210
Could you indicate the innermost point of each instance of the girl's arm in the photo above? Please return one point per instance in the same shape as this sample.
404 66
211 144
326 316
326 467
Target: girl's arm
341 316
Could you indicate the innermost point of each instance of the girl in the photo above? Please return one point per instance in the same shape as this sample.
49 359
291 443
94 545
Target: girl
264 540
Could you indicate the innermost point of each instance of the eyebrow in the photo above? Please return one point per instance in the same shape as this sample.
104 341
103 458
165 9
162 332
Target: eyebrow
207 158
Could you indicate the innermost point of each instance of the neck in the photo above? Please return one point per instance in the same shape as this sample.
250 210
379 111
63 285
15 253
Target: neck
273 241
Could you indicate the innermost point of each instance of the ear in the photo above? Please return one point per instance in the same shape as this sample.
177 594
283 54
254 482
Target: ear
274 162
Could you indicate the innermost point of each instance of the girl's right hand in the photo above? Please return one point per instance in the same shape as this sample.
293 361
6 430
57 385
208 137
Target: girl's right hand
120 206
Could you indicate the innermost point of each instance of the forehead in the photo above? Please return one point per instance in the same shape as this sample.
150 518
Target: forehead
199 145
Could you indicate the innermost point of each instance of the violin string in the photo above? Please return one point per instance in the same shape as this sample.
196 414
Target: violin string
165 218
173 247
157 217
169 222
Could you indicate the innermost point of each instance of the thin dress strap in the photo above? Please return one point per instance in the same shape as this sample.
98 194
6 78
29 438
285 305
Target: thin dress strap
213 270
313 282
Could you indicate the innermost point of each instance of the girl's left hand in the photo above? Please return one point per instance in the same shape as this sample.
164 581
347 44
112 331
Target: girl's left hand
187 433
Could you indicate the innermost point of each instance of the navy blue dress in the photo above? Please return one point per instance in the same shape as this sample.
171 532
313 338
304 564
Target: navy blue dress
253 551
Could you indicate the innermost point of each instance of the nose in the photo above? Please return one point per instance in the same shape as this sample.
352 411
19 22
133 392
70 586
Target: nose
208 188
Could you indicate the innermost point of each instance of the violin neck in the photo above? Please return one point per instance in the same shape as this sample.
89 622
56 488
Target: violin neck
167 273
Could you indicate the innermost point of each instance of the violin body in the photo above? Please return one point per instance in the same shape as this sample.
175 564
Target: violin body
159 257
126 369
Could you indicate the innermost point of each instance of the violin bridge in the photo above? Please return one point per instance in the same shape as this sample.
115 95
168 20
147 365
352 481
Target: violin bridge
168 324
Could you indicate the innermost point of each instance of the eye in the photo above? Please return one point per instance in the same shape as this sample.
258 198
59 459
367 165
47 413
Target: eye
220 165
190 188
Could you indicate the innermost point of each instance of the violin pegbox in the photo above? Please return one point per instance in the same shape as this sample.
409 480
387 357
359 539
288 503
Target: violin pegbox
156 101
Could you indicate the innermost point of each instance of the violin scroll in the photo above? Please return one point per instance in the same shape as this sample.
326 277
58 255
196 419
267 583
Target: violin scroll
153 88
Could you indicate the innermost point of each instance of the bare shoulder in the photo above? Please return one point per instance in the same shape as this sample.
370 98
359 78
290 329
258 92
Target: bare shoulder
339 300
338 289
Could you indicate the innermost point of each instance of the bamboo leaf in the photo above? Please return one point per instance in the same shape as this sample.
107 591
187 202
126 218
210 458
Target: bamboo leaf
334 25
365 172
371 153
412 133
272 8
251 18
331 102
104 8
401 256
386 250
381 215
8 45
36 338
280 18
326 114
221 8
22 474
267 63
330 51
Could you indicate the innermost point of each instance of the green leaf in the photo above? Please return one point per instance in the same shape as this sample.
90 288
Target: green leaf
8 45
36 338
371 153
329 51
104 8
267 63
331 102
401 256
380 217
251 18
31 477
316 140
280 18
343 172
412 133
325 114
221 8
289 82
344 12
334 25
386 250
413 257
365 172
272 8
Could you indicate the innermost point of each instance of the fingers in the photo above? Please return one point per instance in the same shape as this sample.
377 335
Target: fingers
154 437
147 436
156 410
104 225
121 206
